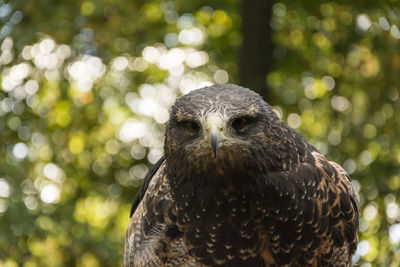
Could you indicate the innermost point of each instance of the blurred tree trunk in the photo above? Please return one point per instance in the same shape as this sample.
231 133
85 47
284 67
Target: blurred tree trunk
256 54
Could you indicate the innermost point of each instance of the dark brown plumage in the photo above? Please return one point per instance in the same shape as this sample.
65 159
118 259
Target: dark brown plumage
238 187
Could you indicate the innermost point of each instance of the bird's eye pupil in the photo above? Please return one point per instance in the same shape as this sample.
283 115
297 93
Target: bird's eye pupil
192 127
239 124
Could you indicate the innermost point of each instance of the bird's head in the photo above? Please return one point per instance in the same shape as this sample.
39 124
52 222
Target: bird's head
222 128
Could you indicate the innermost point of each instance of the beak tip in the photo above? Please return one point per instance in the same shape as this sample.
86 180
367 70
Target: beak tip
214 145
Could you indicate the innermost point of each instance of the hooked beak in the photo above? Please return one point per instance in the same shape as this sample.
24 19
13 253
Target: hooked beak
215 129
214 142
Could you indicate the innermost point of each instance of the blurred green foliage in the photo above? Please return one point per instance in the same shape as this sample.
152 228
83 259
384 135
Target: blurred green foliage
85 92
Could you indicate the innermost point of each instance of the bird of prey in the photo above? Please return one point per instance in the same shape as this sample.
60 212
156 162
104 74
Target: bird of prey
238 187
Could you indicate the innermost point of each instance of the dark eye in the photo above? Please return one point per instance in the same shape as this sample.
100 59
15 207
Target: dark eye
191 127
240 124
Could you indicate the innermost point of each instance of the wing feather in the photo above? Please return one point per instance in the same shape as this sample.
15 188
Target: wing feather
343 209
142 190
145 230
317 213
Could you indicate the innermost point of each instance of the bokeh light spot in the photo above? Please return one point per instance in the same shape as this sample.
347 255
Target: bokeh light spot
7 44
370 211
4 188
350 166
340 103
120 63
193 36
334 137
363 22
20 150
87 8
151 54
392 210
394 233
76 144
50 194
139 171
221 76
363 247
31 202
329 82
395 32
294 120
3 206
131 130
52 171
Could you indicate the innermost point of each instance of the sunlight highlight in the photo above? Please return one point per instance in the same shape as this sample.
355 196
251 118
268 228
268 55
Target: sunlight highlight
50 194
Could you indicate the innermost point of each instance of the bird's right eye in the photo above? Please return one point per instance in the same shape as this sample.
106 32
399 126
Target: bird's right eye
191 127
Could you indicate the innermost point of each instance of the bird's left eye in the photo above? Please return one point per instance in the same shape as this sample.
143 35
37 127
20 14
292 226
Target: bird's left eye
192 127
240 124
